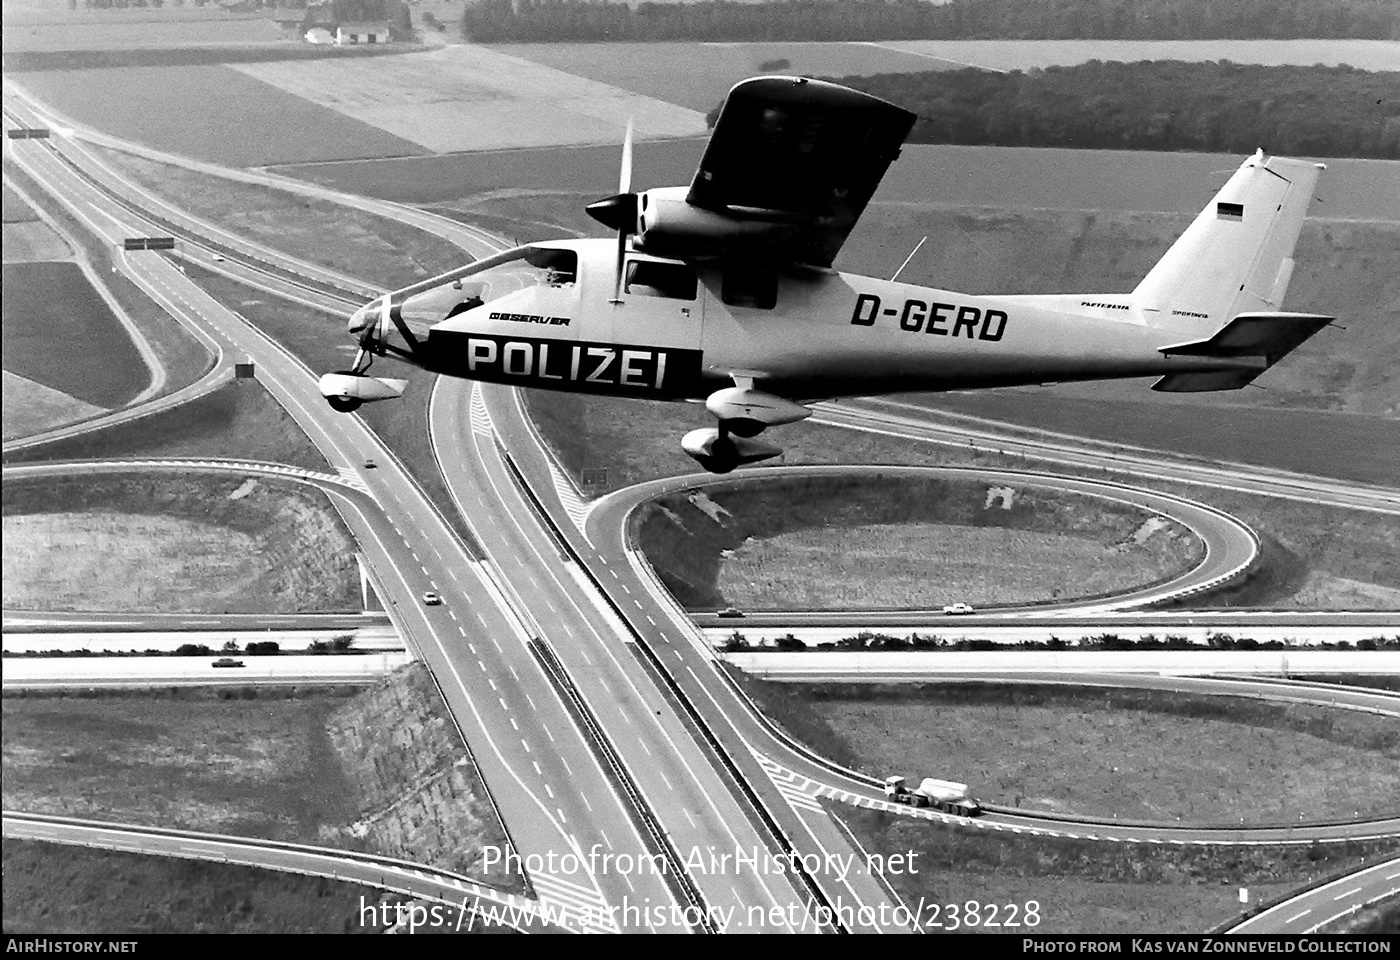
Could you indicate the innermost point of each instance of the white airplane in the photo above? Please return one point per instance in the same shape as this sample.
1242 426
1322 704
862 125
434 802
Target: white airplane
724 291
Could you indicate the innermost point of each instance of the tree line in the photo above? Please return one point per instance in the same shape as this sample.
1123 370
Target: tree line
491 21
1153 105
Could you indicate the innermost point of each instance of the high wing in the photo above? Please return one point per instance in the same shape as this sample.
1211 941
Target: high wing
799 152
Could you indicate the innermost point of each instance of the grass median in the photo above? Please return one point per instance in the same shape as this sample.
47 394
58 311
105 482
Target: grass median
179 544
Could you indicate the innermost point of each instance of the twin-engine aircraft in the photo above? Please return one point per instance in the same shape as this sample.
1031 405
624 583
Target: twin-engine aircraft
724 291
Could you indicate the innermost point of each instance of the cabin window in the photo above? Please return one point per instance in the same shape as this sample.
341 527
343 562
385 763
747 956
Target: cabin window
648 278
750 287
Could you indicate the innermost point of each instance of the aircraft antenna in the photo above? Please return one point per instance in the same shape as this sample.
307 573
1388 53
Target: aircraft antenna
908 258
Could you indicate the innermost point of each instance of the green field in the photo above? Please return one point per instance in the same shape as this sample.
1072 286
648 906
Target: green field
184 358
324 766
54 888
50 25
1128 753
31 408
49 308
240 420
698 75
168 543
856 542
14 209
210 112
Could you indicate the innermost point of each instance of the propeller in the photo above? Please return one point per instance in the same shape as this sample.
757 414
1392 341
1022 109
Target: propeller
619 212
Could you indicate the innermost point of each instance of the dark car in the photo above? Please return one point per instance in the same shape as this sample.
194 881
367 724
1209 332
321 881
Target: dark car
729 612
228 662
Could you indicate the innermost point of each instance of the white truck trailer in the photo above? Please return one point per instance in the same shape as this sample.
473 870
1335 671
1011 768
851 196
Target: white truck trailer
944 795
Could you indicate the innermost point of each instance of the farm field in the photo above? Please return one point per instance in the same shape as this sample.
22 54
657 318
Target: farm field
15 210
210 112
50 886
853 542
47 305
1002 177
31 407
239 420
323 765
33 242
203 544
697 75
27 239
49 25
474 98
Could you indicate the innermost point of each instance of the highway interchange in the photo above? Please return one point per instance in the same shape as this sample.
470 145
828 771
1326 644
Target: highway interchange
593 706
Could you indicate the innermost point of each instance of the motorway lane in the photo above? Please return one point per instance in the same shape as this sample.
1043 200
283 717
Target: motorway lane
812 833
551 807
1308 912
909 421
690 799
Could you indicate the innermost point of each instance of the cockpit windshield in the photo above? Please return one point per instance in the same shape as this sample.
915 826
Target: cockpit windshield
537 268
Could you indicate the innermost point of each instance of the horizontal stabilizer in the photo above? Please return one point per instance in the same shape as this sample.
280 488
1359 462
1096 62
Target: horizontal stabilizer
1205 380
1256 340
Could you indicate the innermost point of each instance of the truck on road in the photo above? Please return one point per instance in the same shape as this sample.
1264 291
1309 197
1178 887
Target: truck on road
943 795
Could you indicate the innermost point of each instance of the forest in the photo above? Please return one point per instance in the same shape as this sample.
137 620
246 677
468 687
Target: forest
1153 105
499 21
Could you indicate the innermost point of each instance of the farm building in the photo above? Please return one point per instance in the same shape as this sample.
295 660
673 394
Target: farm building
363 31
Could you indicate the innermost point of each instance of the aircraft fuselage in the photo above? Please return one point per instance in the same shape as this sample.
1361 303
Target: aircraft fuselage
799 333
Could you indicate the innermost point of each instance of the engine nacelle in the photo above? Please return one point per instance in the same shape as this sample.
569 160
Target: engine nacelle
754 407
666 223
346 391
722 454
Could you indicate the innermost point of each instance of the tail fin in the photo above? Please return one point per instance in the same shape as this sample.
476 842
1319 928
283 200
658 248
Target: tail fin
1237 256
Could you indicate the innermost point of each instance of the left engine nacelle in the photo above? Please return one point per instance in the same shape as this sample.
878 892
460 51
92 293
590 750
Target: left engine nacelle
346 391
667 223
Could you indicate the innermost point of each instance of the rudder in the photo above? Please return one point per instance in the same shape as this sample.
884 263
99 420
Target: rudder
1237 255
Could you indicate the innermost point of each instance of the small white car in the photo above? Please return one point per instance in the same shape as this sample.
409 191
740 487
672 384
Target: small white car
957 609
431 599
